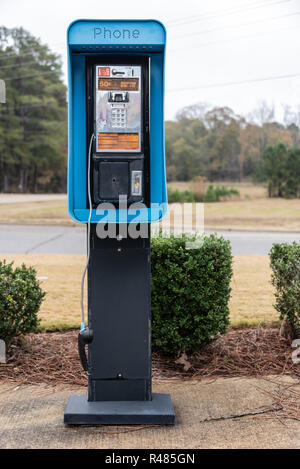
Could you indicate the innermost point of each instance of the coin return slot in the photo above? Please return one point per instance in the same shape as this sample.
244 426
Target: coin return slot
136 183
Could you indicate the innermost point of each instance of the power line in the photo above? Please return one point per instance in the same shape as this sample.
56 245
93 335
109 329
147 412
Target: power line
15 54
16 65
30 105
218 13
30 119
217 85
33 49
231 11
237 26
35 143
195 19
61 45
202 16
236 38
21 77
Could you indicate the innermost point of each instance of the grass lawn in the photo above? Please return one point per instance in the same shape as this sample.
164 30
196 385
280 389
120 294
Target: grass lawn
247 190
258 214
253 210
50 212
251 302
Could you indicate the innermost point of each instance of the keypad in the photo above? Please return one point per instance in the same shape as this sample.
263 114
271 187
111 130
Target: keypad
118 118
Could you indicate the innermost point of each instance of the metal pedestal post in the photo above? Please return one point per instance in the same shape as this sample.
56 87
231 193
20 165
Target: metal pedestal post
119 357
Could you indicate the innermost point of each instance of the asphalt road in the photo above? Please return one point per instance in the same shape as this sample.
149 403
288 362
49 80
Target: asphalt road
26 239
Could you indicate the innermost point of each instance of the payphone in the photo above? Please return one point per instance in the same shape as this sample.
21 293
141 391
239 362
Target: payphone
116 153
120 111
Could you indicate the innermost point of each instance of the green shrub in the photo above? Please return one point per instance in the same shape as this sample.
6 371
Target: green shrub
20 300
285 264
216 193
213 194
190 291
183 196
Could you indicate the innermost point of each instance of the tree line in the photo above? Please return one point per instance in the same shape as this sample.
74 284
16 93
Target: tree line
221 145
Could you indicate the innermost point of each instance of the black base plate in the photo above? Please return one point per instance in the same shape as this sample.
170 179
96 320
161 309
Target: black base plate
159 411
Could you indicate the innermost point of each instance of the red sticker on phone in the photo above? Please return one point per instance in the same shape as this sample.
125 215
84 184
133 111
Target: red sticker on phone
104 71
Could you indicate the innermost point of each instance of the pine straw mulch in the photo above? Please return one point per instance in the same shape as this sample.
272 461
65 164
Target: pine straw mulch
53 358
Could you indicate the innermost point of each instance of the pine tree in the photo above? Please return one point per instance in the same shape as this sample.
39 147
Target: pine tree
33 122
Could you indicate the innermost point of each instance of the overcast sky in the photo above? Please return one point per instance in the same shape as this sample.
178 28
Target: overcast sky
215 42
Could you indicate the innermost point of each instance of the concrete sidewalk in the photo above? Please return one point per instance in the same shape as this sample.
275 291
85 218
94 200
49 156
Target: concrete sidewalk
220 413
